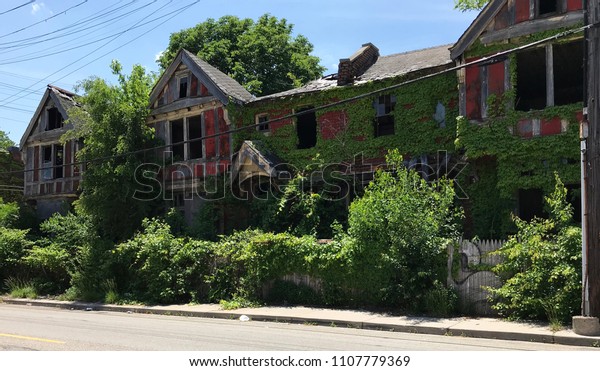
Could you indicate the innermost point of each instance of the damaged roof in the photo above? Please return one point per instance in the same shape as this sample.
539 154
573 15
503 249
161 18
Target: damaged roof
385 67
63 99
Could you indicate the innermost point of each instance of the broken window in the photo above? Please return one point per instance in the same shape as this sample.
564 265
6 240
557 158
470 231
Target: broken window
568 73
262 121
384 115
531 80
55 119
306 128
183 87
564 66
531 203
195 132
52 161
547 7
177 138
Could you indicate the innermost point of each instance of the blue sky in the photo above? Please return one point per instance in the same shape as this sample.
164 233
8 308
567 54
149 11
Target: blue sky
61 42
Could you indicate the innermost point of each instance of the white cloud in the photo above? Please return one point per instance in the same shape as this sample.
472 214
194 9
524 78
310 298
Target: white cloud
158 55
40 8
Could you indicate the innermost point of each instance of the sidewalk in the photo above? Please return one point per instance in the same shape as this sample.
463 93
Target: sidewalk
490 328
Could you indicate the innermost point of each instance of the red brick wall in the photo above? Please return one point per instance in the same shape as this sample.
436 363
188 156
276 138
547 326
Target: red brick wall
332 123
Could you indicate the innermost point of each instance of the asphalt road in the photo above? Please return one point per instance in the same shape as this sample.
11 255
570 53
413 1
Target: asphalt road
37 328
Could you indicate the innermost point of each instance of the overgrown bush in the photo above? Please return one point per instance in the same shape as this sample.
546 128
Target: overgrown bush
542 266
400 229
13 242
155 266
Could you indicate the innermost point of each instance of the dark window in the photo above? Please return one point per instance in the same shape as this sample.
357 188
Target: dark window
55 119
177 139
574 198
384 115
262 123
531 80
531 203
58 161
183 85
195 132
47 162
306 128
568 73
547 7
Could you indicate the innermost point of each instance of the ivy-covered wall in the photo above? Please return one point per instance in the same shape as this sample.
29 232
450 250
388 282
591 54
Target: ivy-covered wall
347 130
505 154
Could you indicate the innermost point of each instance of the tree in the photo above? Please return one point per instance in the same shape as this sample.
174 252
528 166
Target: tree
466 5
112 122
262 56
5 141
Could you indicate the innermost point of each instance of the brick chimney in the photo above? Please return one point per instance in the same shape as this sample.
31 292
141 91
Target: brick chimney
357 64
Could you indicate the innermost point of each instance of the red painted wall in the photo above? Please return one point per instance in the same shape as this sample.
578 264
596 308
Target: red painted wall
496 74
473 92
209 129
550 127
223 139
522 11
68 160
573 5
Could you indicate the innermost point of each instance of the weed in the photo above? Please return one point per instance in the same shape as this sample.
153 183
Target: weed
19 288
238 302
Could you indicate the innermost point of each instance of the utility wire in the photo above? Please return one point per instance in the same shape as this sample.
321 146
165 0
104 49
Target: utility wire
488 59
19 94
44 20
17 7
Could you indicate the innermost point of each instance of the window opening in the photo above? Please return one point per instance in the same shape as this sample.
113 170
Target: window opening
177 137
261 120
568 73
183 85
55 119
531 80
195 132
384 115
306 128
546 7
531 203
58 161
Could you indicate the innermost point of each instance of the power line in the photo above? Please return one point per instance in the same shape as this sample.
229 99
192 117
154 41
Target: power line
325 106
44 20
17 7
20 95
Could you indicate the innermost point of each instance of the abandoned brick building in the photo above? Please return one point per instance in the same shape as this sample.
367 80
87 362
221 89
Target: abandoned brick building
514 120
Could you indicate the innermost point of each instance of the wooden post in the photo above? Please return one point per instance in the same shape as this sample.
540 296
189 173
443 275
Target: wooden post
592 186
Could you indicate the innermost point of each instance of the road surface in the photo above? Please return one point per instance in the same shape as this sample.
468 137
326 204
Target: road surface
37 328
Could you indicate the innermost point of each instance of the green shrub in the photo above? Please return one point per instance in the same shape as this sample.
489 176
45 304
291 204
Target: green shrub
289 293
542 266
400 228
158 267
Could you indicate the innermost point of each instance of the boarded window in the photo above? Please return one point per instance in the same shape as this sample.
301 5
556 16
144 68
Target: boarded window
306 128
384 115
262 121
568 73
183 87
177 139
531 80
55 119
195 132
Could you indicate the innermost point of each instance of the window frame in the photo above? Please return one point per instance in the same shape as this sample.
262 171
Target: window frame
186 137
387 115
261 127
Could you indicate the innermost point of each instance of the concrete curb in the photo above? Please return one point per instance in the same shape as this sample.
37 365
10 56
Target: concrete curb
535 335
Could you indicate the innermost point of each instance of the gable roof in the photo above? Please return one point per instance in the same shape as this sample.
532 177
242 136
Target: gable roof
63 99
218 84
476 28
385 67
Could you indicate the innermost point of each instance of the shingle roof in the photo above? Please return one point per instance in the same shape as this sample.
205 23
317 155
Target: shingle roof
225 83
384 68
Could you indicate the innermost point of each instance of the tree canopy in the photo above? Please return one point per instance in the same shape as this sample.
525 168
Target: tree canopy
5 141
263 56
112 122
466 5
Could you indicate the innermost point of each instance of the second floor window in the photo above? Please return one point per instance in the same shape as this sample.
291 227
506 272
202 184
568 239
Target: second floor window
262 121
384 115
54 119
183 87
